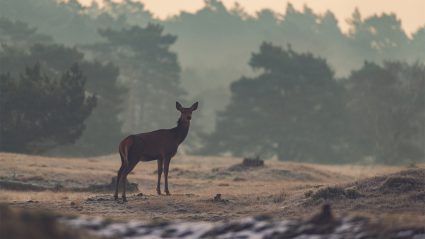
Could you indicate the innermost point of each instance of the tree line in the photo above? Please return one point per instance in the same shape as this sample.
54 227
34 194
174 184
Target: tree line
314 100
298 110
130 74
214 43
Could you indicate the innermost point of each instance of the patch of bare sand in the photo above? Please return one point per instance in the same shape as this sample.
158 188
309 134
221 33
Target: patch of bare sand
278 189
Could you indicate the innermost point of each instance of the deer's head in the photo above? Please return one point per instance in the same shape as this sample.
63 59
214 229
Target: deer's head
186 113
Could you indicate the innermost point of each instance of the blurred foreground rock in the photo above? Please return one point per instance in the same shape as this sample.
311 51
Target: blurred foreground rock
323 225
25 224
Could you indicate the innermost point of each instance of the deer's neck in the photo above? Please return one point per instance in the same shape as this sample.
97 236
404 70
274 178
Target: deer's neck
181 131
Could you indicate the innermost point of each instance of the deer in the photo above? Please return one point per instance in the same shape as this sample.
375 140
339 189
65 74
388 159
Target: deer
160 145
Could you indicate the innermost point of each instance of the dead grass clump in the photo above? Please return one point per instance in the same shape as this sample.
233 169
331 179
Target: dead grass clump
328 193
352 193
416 173
253 162
33 178
218 198
278 198
404 181
18 224
21 186
412 165
248 163
217 175
419 197
333 193
401 184
16 185
308 194
104 198
288 174
239 179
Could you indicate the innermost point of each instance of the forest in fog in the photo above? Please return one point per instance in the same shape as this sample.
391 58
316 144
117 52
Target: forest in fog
75 80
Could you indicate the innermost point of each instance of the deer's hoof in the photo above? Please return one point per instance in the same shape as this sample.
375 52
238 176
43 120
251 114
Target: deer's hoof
158 192
167 193
124 199
115 197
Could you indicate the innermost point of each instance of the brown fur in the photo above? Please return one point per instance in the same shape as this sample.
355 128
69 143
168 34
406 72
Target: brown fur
160 145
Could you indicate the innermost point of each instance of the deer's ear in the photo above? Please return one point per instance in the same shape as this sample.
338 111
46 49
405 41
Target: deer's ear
179 107
194 106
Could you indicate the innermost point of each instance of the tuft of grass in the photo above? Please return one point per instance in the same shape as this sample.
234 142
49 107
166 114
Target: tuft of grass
401 184
308 193
331 193
278 198
352 193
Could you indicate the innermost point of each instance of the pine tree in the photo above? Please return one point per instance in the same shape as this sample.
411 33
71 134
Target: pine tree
38 112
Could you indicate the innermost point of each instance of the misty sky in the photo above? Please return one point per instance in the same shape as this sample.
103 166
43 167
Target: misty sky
411 12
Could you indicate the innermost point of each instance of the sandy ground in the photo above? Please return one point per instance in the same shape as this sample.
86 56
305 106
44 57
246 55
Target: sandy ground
280 189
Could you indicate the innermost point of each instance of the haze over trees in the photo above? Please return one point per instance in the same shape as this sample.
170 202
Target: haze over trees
387 110
297 110
309 80
294 109
150 72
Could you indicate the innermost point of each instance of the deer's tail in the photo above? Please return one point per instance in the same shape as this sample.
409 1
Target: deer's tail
124 149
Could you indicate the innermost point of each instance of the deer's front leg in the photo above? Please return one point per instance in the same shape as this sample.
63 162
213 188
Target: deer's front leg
158 185
166 166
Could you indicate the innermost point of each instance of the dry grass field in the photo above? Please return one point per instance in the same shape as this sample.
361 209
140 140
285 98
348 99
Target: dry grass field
390 195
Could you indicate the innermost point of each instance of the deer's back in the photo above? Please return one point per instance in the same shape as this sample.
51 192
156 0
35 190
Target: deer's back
152 145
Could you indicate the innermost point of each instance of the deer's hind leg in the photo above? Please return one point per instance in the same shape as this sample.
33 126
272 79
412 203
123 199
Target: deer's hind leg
132 162
123 150
120 171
